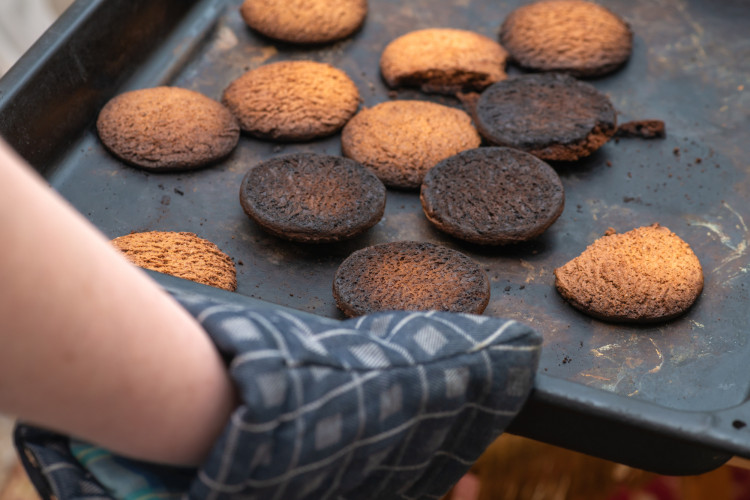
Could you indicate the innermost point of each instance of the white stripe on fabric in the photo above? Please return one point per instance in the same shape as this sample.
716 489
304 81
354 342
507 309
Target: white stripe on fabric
425 464
312 406
519 348
458 330
226 460
402 323
299 424
254 355
493 337
221 308
337 331
58 466
405 446
364 442
304 326
362 420
358 335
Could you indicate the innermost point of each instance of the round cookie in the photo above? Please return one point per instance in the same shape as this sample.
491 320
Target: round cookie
401 140
645 275
304 21
572 36
443 60
410 275
184 255
550 115
292 100
312 198
492 196
167 128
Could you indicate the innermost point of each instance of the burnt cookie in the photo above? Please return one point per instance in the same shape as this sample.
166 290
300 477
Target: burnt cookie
642 129
550 115
572 36
401 140
184 255
292 100
492 196
167 128
304 21
410 275
645 275
312 198
443 60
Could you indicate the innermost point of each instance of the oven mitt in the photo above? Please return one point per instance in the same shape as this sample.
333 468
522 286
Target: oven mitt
394 405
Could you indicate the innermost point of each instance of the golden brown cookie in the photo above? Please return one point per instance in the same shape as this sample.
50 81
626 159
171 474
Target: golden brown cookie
572 36
312 198
292 100
443 60
550 115
167 128
184 255
401 140
645 275
410 275
492 196
304 21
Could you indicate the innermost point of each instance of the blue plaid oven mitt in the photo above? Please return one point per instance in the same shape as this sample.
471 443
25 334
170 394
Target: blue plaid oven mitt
394 405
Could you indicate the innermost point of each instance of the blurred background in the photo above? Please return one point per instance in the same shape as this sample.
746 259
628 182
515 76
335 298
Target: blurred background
21 23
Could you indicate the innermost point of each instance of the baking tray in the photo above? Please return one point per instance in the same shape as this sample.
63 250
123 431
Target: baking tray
671 398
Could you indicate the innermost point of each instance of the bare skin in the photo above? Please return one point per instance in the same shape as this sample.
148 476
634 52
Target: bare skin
93 348
90 345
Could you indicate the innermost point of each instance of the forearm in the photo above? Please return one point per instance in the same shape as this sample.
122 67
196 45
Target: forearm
90 345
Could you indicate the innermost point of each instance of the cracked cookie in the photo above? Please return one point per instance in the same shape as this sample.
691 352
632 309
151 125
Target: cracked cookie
443 60
550 115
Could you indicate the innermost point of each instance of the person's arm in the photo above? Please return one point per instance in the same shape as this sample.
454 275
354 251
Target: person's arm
89 345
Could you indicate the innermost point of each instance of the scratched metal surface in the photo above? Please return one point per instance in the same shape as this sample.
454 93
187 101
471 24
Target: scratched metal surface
690 67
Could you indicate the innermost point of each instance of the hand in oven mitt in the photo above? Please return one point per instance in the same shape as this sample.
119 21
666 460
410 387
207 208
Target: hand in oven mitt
393 405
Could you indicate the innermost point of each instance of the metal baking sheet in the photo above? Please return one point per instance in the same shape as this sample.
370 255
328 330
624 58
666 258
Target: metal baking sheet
672 398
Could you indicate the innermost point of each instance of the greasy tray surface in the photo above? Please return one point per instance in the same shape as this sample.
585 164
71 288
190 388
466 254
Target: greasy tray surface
691 69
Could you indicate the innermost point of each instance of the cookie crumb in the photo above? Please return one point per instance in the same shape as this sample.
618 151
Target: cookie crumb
642 129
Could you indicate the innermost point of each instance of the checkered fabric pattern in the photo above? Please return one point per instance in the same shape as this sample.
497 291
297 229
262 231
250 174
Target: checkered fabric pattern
393 405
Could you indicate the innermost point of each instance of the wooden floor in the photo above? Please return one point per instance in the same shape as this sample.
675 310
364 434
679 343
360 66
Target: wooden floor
17 486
